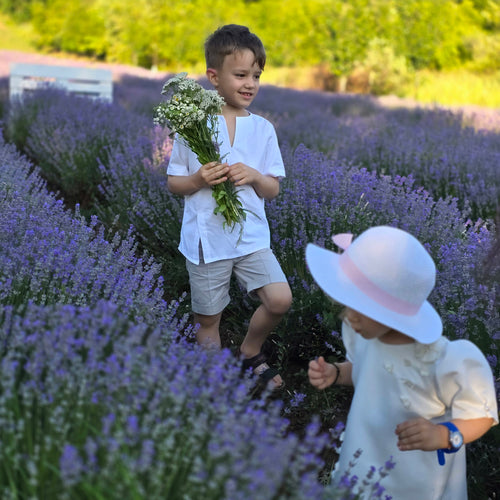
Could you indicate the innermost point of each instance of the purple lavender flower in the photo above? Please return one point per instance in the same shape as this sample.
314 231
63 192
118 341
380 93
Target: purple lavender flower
71 465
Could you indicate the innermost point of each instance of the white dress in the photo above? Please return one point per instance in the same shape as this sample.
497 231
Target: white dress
394 383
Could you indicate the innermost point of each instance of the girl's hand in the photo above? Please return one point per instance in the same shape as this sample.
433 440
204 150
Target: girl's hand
213 173
421 434
321 374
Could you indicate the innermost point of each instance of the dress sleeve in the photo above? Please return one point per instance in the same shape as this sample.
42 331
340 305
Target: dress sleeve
465 382
179 159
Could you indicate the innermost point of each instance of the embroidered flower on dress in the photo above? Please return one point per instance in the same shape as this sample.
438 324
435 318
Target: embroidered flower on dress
406 402
389 367
429 353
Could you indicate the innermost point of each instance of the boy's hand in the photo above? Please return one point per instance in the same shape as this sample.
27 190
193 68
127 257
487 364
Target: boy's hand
266 186
421 434
240 174
321 374
213 173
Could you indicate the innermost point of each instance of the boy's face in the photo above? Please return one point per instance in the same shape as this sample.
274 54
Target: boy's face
238 80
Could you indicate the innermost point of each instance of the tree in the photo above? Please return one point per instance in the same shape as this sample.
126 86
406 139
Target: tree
19 10
76 26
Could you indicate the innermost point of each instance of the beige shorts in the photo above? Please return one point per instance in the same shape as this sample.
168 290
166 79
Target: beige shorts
210 283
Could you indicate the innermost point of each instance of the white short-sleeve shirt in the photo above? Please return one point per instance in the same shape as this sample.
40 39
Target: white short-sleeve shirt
394 383
256 145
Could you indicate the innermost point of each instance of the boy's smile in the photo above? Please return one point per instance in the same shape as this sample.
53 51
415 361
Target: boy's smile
238 80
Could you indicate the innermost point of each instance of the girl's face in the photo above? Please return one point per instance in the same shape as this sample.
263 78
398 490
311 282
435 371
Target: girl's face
238 80
366 327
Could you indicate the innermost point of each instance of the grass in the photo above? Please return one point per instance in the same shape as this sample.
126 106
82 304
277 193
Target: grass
16 36
456 88
452 88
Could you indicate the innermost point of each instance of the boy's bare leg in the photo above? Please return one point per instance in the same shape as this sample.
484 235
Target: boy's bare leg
276 300
208 333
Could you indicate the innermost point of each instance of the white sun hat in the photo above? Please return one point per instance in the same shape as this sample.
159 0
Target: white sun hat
385 274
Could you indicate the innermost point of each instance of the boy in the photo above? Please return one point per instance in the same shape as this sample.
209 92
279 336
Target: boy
235 59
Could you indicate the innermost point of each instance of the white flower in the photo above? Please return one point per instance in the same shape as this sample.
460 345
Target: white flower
188 104
191 112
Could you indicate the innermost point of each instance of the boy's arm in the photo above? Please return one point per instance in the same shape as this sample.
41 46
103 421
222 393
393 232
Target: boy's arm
208 175
266 186
422 434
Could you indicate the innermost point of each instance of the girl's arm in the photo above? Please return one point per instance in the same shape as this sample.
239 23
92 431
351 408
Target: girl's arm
473 429
422 434
323 374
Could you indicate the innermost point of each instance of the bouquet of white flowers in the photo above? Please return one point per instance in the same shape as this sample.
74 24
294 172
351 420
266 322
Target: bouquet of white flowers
191 113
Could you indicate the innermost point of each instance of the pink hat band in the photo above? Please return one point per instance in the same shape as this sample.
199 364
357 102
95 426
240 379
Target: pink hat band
385 274
369 288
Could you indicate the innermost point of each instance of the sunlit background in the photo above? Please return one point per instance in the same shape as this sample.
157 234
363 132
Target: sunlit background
444 51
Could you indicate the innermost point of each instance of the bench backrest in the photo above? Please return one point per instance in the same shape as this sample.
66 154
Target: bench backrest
91 82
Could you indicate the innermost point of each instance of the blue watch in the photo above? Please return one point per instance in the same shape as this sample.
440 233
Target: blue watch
456 441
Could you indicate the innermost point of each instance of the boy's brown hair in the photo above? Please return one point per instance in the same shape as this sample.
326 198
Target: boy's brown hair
229 39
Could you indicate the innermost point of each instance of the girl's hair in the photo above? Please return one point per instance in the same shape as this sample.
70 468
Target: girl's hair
229 39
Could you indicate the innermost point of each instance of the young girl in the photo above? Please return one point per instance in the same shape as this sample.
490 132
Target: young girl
419 398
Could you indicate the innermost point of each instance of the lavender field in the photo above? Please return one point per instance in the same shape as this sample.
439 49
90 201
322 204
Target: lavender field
103 392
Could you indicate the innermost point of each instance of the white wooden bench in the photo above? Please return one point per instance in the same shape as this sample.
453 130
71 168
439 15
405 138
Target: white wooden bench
95 83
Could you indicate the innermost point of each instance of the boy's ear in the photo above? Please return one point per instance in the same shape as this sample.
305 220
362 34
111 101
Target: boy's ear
212 76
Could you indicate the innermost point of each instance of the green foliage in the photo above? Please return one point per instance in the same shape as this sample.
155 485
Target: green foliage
20 10
387 72
76 26
336 34
434 31
489 10
156 33
484 52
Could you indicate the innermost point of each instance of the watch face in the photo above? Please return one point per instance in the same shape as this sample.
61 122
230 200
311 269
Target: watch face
456 439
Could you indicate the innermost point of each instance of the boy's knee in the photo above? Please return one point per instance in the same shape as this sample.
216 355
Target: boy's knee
207 321
279 301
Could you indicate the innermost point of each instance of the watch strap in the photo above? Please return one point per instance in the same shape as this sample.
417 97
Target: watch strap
442 451
451 426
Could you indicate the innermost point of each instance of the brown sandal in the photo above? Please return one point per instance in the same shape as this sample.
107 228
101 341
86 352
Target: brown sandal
258 365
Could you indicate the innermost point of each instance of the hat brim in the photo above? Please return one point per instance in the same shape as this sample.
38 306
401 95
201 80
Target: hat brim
425 326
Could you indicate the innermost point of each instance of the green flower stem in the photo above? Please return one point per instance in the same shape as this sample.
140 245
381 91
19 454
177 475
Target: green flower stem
199 139
228 204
